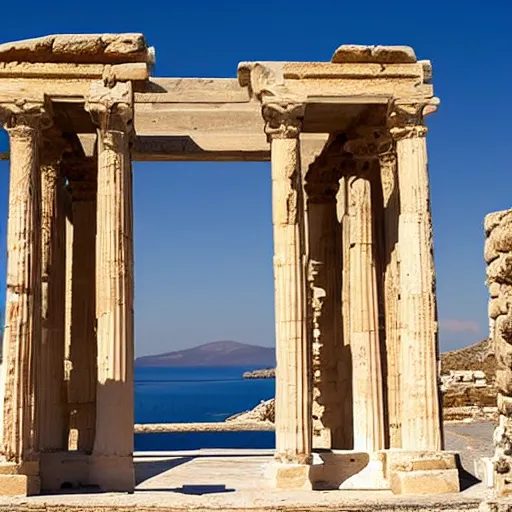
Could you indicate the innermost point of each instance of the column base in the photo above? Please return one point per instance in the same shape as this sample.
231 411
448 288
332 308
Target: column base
113 474
73 470
19 485
64 470
422 472
290 476
347 469
19 479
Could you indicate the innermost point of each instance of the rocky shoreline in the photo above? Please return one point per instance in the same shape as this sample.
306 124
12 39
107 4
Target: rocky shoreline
467 396
263 412
267 373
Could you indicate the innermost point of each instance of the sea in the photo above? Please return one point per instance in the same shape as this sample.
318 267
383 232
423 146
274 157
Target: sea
202 394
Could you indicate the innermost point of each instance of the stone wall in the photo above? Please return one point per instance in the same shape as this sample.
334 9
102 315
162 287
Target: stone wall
498 255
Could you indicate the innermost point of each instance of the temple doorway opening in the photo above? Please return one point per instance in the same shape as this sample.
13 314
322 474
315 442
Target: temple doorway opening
204 299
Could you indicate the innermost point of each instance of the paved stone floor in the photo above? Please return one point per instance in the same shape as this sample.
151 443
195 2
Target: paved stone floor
471 440
231 480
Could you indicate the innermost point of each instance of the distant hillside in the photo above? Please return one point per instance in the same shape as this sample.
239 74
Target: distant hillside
479 356
217 353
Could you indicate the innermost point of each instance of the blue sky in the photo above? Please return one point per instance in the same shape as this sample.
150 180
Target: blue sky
203 242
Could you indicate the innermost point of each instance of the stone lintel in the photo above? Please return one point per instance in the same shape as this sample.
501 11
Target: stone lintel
298 81
199 147
192 90
329 70
137 71
79 48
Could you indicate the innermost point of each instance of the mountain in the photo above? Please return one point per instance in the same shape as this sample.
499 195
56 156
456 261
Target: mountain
217 353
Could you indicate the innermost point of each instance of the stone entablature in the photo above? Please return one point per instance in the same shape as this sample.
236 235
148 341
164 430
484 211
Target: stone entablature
353 257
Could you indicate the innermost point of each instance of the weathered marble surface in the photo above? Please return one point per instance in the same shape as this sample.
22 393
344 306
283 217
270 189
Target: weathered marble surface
79 48
353 53
498 255
232 480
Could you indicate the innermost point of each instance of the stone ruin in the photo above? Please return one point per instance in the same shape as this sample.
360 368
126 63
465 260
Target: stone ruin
355 299
498 255
475 378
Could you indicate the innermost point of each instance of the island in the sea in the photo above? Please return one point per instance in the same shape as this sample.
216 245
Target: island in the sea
266 373
217 353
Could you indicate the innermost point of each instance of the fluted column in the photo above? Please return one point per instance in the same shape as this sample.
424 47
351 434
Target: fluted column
53 421
111 109
293 389
364 309
322 183
23 301
421 411
389 181
345 369
365 334
82 175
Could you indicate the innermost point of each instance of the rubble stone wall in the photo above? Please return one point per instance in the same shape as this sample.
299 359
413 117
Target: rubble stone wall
498 255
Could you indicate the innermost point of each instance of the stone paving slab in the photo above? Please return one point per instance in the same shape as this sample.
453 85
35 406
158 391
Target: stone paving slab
232 480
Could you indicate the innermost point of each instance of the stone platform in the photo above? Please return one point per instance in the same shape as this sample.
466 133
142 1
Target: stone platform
229 480
232 480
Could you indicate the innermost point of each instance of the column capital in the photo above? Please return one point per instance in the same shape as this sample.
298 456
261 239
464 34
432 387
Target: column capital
53 147
368 148
406 120
18 116
322 181
387 158
283 120
110 108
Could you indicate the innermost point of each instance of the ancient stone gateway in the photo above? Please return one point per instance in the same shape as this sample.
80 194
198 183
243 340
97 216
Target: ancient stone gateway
355 303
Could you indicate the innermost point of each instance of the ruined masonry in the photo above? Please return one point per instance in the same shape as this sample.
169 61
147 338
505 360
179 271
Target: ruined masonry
357 387
498 255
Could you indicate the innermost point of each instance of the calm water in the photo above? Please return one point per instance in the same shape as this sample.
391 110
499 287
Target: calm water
182 395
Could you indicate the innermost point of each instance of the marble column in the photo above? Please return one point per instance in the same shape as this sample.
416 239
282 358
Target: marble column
421 407
23 301
364 313
111 109
389 182
322 183
82 176
345 370
72 437
53 417
293 353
